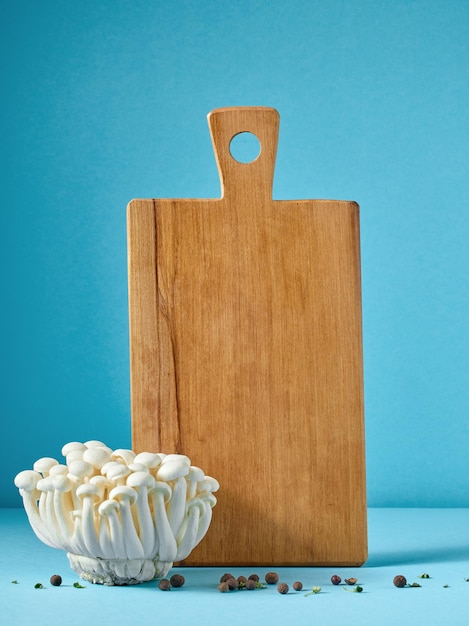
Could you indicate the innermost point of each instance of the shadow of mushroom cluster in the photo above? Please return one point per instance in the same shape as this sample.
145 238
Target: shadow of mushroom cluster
122 517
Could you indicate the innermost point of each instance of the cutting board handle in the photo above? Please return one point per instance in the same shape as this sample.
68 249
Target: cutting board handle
238 180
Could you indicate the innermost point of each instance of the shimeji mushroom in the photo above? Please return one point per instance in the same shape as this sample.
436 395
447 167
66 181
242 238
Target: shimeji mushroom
108 510
195 509
46 508
89 494
126 496
142 482
126 455
63 506
97 457
26 481
167 546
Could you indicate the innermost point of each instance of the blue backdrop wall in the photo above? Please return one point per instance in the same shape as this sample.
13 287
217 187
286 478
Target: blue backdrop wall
106 100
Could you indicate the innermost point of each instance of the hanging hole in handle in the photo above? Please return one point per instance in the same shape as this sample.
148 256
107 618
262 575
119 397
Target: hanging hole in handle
245 147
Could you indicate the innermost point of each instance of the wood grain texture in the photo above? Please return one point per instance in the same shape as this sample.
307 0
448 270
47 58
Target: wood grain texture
246 355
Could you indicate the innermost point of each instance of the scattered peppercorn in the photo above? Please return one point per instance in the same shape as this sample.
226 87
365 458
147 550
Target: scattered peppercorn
164 584
297 585
254 577
56 580
399 581
223 587
351 581
271 578
242 580
282 588
177 580
226 577
251 584
356 589
336 580
233 584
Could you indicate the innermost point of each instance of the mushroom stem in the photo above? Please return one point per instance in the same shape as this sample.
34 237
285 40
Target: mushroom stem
195 508
177 505
133 545
167 546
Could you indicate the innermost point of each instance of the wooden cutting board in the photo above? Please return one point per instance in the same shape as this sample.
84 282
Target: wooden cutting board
246 355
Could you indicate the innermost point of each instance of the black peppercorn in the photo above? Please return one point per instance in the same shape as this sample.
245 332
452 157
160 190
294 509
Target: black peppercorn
297 585
336 580
250 584
56 580
226 577
254 577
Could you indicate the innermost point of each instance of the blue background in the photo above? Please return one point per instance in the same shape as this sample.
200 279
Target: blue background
104 101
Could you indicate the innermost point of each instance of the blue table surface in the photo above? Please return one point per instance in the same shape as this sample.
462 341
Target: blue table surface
401 541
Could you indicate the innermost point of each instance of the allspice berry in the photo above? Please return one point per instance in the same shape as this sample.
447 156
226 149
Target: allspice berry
177 580
56 580
233 584
282 588
271 578
399 581
226 577
250 584
164 584
223 587
297 585
254 577
242 580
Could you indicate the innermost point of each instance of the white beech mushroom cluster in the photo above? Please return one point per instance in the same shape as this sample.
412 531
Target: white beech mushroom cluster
122 517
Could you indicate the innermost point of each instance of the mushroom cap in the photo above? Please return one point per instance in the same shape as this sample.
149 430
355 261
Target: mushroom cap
163 488
74 455
176 457
97 457
27 480
80 469
44 464
46 484
195 473
88 489
138 467
107 466
215 485
117 472
150 459
72 445
126 455
108 506
62 483
58 469
123 493
93 443
140 479
172 469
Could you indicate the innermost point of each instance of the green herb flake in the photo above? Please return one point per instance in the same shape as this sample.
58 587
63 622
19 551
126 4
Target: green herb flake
38 586
424 576
414 585
445 586
314 590
14 582
78 586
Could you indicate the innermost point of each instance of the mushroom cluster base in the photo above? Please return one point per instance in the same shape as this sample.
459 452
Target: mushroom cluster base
117 571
